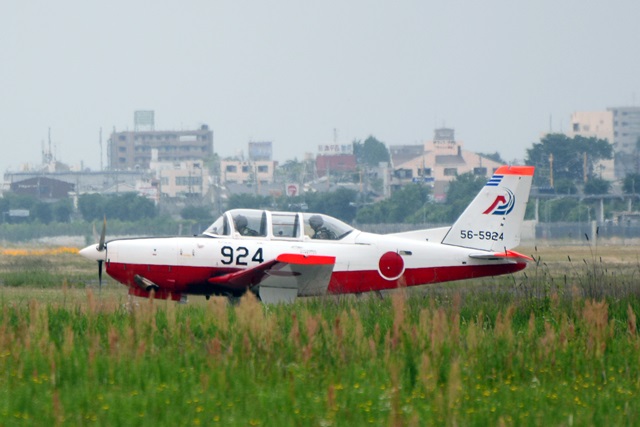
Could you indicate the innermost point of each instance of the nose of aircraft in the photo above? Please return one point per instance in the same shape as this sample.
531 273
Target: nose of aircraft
91 252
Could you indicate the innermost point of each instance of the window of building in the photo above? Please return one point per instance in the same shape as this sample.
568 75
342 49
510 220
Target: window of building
122 138
479 171
450 172
403 173
263 169
122 149
122 160
576 127
424 172
245 169
188 180
232 168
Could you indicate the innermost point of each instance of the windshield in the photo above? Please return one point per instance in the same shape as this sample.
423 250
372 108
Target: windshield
220 227
323 227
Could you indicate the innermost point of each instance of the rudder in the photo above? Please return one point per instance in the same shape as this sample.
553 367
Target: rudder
493 220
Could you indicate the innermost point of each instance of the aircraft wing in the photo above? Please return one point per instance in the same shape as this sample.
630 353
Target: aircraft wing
283 278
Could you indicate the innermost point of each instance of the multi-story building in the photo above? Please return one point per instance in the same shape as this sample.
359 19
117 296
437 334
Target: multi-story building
182 179
595 124
335 159
247 172
626 139
335 164
131 150
621 127
439 163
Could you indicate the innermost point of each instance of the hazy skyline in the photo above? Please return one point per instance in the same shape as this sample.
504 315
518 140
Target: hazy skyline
500 73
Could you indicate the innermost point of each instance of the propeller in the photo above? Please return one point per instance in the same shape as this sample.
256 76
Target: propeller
97 252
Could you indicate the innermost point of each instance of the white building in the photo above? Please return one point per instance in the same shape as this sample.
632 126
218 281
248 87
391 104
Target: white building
440 162
247 171
181 179
596 124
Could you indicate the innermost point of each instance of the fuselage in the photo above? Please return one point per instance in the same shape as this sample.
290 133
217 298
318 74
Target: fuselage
363 261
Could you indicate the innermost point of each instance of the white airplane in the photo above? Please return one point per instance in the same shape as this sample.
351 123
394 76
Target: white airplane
283 255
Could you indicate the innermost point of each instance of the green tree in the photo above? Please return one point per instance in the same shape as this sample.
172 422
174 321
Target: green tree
248 201
91 206
461 192
292 171
565 186
129 207
124 207
62 210
597 186
339 203
197 213
42 212
631 184
568 157
371 152
558 210
403 206
16 201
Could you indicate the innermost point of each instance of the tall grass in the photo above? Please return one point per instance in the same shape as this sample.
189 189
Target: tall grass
398 361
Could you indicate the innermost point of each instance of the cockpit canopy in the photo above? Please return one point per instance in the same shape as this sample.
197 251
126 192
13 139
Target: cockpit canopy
277 225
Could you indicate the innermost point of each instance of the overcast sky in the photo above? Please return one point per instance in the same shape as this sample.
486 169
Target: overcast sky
499 72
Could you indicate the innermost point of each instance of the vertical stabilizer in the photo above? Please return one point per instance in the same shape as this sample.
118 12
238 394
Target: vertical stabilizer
493 220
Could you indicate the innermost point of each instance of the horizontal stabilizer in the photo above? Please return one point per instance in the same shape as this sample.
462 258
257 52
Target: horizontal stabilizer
502 256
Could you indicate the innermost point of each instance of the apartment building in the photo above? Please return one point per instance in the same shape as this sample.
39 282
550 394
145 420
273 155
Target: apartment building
596 124
131 150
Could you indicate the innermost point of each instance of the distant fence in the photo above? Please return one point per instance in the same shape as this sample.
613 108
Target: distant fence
395 228
578 230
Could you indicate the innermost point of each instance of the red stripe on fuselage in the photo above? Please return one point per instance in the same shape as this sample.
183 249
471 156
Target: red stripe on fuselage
366 281
187 279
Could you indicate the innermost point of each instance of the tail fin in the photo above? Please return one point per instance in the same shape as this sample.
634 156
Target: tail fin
492 221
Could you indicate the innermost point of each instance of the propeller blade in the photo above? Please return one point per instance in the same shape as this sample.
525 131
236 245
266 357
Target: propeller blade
100 274
102 235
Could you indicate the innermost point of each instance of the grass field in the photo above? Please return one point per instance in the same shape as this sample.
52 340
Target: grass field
555 345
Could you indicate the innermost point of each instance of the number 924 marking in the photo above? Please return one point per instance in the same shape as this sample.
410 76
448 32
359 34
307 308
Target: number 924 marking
481 235
239 255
